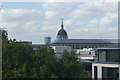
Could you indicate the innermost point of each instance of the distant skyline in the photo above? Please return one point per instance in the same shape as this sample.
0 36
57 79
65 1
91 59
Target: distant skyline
32 21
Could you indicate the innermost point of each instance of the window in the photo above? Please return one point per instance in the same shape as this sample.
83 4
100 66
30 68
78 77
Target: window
95 46
85 46
81 46
113 56
89 46
77 47
99 45
89 53
102 56
73 47
95 72
109 56
110 73
102 45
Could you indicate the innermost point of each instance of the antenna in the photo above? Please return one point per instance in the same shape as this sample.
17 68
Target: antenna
1 6
99 33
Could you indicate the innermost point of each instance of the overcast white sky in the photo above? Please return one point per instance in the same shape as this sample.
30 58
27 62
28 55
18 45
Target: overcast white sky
32 21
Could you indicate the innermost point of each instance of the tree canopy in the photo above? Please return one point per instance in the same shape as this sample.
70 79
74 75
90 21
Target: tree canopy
20 60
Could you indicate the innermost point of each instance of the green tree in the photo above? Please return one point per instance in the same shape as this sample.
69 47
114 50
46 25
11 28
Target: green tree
72 68
19 60
45 61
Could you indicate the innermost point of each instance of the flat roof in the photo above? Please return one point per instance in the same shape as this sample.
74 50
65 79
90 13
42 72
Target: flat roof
107 63
111 48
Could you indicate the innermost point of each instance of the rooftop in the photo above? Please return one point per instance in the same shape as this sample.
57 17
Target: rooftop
112 48
78 41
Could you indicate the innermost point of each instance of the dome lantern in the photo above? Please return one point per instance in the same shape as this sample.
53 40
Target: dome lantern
62 34
62 24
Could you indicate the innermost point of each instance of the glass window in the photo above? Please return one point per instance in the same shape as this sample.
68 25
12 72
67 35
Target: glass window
109 56
95 72
77 47
113 56
110 73
102 56
85 46
99 45
81 46
95 46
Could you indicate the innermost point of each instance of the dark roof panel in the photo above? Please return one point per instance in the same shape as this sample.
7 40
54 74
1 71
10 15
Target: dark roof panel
62 32
78 41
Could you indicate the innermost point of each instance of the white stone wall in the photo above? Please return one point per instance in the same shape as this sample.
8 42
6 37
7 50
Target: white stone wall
99 68
85 51
60 49
119 72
